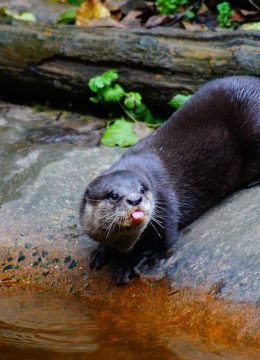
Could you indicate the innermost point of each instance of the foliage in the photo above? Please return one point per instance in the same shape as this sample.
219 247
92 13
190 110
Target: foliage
178 100
25 16
75 2
167 7
100 83
120 132
252 26
132 100
107 91
189 14
67 17
87 11
224 14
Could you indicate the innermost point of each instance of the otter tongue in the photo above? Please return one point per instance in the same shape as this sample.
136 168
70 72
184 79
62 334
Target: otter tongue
137 214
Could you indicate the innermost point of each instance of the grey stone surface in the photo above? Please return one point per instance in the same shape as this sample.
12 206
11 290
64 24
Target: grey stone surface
41 186
221 250
41 183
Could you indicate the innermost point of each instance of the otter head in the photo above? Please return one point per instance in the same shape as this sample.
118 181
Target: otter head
116 208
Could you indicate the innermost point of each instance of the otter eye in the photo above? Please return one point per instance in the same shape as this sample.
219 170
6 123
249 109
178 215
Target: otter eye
143 189
114 196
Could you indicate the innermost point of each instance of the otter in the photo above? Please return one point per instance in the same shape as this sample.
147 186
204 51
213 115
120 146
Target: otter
206 150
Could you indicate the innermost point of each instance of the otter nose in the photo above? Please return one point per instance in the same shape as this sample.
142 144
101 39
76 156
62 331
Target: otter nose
134 199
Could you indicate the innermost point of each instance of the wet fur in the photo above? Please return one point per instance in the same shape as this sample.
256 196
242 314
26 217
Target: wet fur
206 150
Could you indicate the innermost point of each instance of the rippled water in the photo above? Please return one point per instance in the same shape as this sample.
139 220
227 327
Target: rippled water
46 325
33 320
40 325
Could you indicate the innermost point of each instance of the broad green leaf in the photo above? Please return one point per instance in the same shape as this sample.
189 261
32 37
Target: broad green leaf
109 76
133 100
251 26
96 83
119 133
25 16
113 94
4 12
178 100
67 17
224 15
76 2
190 14
99 82
94 99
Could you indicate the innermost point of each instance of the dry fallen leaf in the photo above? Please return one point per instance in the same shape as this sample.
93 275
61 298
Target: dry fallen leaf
131 19
115 8
156 20
89 10
114 5
194 27
237 16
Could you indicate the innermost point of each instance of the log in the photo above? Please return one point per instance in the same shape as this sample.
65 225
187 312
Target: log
59 60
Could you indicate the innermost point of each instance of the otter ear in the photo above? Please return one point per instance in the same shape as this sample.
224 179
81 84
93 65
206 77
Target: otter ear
86 194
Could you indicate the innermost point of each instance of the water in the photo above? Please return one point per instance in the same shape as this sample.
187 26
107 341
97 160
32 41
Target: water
42 325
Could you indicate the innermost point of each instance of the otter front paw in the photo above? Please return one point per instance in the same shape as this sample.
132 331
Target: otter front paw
99 257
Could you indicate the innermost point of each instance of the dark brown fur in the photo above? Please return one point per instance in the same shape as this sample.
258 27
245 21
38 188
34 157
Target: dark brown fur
206 150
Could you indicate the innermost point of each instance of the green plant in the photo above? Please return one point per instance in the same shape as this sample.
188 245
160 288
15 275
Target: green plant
120 131
75 2
167 7
67 17
224 15
178 100
25 16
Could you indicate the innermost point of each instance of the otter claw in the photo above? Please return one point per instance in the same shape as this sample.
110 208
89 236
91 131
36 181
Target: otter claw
126 272
136 271
99 257
123 276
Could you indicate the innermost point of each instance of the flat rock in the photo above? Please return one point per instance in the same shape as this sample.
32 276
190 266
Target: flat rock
221 250
41 186
44 258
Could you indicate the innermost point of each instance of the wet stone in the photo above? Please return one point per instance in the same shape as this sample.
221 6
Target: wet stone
72 265
40 190
41 187
67 259
21 258
8 267
28 245
223 248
